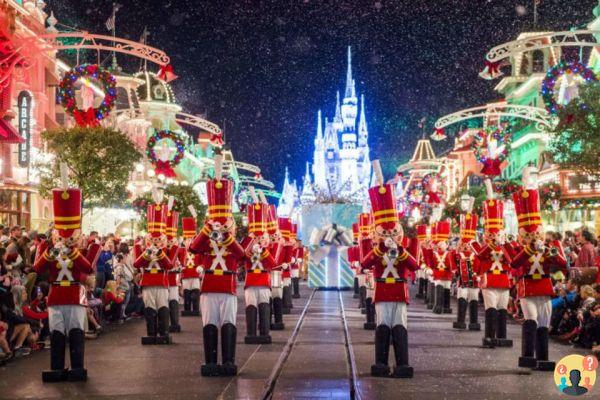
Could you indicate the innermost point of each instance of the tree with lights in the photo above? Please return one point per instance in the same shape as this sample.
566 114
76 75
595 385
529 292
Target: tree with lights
99 159
576 141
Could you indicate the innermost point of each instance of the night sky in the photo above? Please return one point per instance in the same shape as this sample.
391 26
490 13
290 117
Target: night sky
266 67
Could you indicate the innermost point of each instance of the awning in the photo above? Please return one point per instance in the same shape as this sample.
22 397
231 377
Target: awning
8 134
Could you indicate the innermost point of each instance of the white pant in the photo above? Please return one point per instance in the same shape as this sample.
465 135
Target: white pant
255 295
190 283
469 294
444 284
277 292
155 297
63 318
390 313
370 293
362 280
295 273
218 308
495 298
287 281
537 308
174 293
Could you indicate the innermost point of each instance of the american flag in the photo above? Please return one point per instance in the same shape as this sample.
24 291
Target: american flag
110 22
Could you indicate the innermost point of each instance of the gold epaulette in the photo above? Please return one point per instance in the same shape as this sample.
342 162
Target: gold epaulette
403 256
377 252
264 254
228 241
205 230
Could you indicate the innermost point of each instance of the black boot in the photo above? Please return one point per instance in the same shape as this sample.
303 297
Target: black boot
57 372
174 316
527 359
382 351
210 335
163 326
356 288
461 315
438 308
277 324
421 291
287 300
446 304
195 299
251 315
362 298
491 317
430 295
151 323
541 351
501 340
370 309
400 340
296 286
473 316
187 301
76 350
228 337
264 320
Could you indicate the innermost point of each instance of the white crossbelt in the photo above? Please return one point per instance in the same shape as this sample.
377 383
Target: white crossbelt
218 261
536 267
440 260
390 268
65 269
497 260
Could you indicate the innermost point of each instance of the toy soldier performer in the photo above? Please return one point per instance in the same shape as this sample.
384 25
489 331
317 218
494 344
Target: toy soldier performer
154 264
191 268
218 301
534 264
391 264
494 268
443 265
365 227
67 269
173 276
297 260
465 262
421 274
354 258
257 288
427 249
276 272
284 261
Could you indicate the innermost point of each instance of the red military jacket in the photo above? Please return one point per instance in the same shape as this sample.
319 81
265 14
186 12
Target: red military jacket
534 268
297 257
258 268
365 247
390 275
465 267
189 263
173 274
283 259
65 276
220 261
442 265
494 266
427 257
154 272
354 258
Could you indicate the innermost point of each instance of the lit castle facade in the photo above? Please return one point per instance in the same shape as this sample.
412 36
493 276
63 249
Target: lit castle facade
341 168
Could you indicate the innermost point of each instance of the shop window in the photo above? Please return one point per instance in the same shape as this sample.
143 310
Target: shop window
538 61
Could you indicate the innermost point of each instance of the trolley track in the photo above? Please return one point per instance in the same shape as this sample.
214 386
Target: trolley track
270 388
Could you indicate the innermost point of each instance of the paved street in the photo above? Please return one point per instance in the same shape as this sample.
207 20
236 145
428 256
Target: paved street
447 363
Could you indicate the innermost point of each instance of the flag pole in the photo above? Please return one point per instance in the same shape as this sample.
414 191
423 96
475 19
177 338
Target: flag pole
114 34
535 14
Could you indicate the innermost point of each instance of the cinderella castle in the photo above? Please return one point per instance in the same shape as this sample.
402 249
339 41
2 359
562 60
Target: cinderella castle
341 167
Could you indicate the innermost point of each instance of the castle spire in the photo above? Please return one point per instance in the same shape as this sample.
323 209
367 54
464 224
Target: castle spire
319 126
338 110
307 174
350 86
363 132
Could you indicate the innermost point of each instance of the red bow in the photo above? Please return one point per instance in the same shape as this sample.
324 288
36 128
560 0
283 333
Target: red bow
433 198
570 119
439 134
257 176
491 167
86 118
164 168
493 67
217 139
166 73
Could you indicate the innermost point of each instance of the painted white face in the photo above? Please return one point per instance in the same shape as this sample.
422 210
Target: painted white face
443 245
71 241
395 233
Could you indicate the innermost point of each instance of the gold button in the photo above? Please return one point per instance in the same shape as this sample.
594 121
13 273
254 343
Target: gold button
65 195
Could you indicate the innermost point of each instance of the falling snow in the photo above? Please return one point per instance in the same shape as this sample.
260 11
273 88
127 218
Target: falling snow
261 69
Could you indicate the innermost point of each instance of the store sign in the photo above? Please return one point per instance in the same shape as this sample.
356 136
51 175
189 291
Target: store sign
582 184
24 102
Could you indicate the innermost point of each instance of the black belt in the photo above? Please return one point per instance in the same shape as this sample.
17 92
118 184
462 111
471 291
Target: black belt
542 276
262 271
211 271
396 280
65 283
491 272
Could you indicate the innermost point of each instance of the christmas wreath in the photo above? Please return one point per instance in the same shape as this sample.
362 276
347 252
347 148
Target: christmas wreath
503 136
558 70
66 94
549 192
507 187
432 192
163 162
